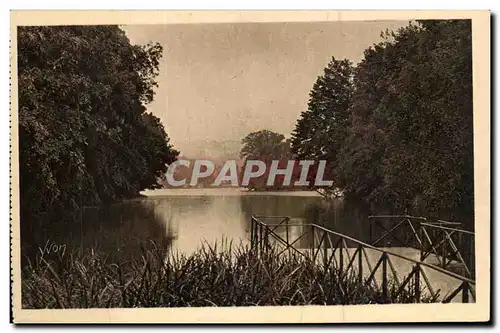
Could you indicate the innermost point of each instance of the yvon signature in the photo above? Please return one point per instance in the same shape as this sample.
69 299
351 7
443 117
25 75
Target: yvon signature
52 247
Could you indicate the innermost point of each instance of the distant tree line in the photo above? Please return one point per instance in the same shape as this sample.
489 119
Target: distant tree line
397 128
84 134
268 146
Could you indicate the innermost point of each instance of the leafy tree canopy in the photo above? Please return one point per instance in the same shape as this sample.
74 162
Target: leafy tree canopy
400 132
321 129
265 144
411 133
85 135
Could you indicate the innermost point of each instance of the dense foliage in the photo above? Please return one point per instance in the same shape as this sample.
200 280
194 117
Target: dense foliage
408 141
322 128
84 134
265 144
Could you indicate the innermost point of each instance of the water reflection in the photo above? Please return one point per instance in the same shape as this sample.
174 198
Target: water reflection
122 232
184 222
193 220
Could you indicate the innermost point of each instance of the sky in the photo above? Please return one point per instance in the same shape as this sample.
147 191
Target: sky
221 81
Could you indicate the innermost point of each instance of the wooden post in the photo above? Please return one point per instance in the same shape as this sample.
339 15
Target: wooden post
261 240
265 241
417 283
443 249
465 292
286 226
259 235
268 243
341 256
472 257
421 235
251 233
360 264
460 242
313 242
325 251
255 235
385 287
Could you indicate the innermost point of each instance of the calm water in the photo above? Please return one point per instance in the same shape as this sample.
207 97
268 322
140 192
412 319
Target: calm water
183 219
209 217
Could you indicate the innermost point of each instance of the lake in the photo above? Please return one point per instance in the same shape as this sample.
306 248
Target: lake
184 219
208 215
181 221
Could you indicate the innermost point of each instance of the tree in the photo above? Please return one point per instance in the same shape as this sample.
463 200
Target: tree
84 134
265 144
410 136
430 112
359 170
321 130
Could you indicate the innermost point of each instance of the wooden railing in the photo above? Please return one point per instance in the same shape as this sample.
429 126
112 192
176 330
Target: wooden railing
446 242
395 230
371 265
453 247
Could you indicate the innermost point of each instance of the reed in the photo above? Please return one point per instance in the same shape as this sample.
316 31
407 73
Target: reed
215 275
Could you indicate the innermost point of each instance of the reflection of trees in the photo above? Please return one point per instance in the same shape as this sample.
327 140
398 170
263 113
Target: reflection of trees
276 205
121 231
349 218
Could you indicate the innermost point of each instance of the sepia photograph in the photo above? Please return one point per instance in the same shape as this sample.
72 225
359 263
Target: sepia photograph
321 166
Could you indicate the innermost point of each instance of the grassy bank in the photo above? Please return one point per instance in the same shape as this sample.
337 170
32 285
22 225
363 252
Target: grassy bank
209 277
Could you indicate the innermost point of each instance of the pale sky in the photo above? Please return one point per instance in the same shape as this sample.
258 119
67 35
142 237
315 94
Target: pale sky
222 81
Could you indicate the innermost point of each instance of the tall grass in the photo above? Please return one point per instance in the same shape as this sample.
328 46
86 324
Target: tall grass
212 276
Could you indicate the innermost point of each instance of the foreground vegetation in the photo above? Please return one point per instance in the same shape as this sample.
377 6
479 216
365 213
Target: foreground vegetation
208 277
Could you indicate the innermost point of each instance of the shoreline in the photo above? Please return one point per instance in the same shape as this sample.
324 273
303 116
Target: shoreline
224 192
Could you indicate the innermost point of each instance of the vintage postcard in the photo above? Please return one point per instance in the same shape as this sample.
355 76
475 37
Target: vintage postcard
250 167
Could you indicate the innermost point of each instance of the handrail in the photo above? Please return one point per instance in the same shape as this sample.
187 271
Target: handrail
436 268
448 222
397 217
436 222
431 225
271 217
